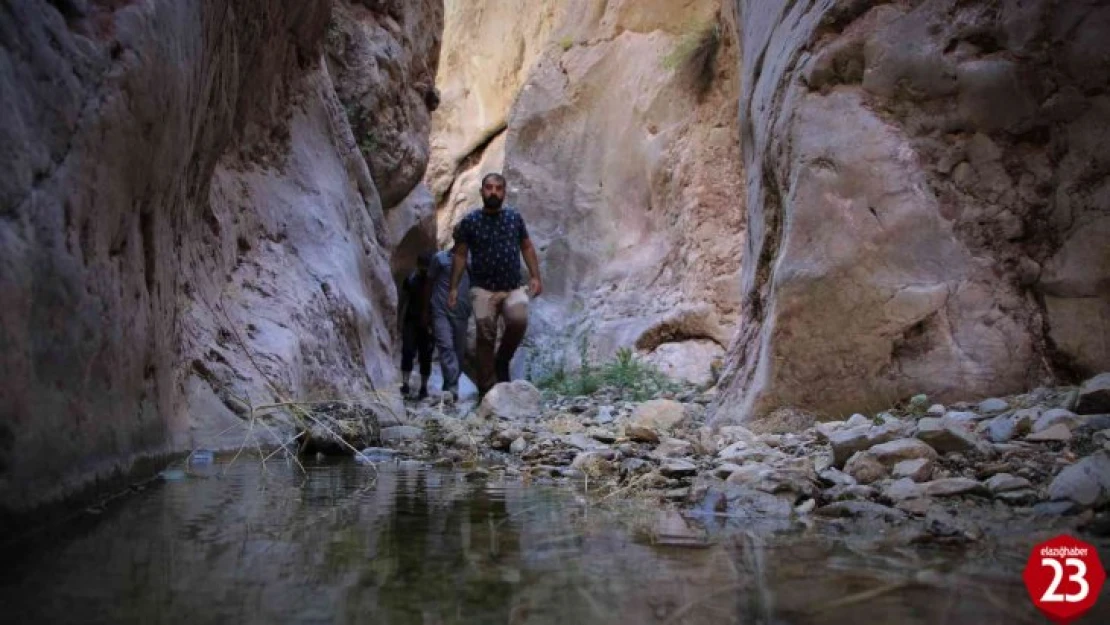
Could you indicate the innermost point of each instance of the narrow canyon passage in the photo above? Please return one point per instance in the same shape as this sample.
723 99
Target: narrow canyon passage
824 331
615 124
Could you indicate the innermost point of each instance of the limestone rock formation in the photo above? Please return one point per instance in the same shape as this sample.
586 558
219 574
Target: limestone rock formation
187 223
623 158
488 49
928 201
373 44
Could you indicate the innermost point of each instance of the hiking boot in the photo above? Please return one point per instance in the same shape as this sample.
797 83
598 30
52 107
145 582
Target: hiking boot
423 394
405 390
501 368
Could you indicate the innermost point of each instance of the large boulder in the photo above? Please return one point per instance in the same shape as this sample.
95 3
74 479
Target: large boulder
918 470
945 436
1094 395
1086 482
845 443
659 415
799 479
900 212
865 468
511 401
1057 416
687 361
896 451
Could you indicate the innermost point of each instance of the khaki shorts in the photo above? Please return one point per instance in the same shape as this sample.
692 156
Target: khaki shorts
489 305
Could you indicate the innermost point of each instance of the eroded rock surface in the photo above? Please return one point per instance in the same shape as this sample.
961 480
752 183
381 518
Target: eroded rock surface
922 218
188 223
627 171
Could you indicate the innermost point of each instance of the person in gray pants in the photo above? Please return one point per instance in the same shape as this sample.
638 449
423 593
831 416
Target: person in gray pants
449 325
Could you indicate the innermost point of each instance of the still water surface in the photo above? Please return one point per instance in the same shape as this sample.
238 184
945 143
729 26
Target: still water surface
236 543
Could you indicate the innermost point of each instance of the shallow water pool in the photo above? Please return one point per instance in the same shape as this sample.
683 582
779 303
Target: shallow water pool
406 544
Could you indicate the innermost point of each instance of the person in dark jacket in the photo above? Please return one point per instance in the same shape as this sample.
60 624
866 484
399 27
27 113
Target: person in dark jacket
416 335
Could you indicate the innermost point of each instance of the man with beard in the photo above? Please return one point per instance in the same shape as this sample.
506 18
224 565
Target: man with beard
495 236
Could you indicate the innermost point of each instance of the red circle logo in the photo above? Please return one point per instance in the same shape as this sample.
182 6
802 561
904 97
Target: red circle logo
1064 577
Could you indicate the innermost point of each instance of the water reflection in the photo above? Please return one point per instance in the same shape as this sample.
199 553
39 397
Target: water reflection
409 545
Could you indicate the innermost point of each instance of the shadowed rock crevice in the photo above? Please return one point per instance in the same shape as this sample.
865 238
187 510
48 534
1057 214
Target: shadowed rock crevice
420 238
916 340
771 239
686 324
471 160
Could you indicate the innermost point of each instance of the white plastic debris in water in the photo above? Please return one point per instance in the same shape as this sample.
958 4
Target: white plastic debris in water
371 455
172 475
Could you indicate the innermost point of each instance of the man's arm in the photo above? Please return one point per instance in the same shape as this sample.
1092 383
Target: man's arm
458 264
533 262
535 284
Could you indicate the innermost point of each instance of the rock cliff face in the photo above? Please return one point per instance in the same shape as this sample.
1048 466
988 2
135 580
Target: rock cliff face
928 201
191 216
616 125
205 203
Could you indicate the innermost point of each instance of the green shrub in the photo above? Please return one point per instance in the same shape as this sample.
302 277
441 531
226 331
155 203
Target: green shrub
635 379
918 404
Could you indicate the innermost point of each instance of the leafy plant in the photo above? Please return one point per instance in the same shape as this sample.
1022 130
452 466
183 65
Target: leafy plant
566 42
626 373
625 370
918 404
635 377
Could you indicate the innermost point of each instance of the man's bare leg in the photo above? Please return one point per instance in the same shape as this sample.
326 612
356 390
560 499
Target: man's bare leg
514 311
485 321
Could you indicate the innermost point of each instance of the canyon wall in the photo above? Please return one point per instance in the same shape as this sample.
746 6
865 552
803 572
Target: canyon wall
615 123
205 204
198 211
928 201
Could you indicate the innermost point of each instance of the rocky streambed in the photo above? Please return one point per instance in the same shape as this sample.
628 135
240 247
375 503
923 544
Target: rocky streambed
928 472
597 508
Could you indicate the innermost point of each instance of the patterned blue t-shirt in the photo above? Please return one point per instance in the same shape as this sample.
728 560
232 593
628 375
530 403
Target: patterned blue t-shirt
494 243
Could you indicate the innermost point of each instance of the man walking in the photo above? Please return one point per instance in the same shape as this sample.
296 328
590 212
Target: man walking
416 339
495 237
448 321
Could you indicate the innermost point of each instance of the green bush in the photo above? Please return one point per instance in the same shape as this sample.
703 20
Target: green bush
635 379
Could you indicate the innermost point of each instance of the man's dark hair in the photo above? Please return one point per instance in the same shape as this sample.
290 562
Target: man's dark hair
494 175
